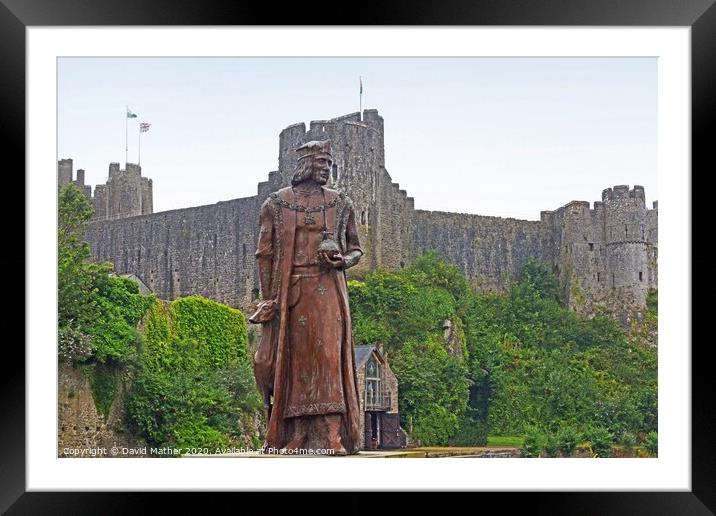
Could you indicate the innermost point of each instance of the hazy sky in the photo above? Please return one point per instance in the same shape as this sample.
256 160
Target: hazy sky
494 136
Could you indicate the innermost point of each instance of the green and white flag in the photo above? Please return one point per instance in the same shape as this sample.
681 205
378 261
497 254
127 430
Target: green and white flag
130 114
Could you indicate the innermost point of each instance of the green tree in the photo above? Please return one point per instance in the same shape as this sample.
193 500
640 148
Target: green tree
75 301
528 362
97 313
433 390
536 275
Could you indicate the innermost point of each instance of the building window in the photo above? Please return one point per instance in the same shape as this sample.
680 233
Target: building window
334 172
641 276
591 246
599 277
362 217
373 385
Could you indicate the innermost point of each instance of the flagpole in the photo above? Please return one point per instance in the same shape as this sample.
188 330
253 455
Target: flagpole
360 102
139 146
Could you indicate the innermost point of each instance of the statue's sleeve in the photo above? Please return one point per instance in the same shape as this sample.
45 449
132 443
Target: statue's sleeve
264 248
352 240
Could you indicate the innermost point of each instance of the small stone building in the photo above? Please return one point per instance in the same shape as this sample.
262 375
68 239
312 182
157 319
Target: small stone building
378 398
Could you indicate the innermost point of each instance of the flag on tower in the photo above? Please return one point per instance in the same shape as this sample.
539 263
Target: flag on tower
361 84
144 127
130 114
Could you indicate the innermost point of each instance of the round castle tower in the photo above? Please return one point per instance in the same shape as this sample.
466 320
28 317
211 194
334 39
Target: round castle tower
625 218
358 157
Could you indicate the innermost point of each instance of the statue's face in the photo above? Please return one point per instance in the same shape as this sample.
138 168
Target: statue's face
321 169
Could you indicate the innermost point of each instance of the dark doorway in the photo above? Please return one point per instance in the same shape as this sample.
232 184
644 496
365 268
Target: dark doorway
372 431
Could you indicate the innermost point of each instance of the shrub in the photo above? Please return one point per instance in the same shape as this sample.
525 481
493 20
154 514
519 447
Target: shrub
652 443
535 442
72 344
601 440
433 391
568 439
194 381
551 445
472 431
628 440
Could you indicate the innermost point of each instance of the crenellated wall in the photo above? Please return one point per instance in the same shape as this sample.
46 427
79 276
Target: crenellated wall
206 250
126 193
65 174
609 250
488 250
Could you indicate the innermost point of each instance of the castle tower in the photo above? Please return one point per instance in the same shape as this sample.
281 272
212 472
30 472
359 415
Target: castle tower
652 237
126 194
625 226
598 254
64 172
358 161
80 182
100 202
577 244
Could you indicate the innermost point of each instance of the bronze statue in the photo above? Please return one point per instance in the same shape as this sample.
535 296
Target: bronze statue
304 365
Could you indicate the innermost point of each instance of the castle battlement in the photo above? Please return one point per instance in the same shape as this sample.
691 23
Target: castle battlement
601 252
125 194
65 176
371 121
579 206
294 127
622 193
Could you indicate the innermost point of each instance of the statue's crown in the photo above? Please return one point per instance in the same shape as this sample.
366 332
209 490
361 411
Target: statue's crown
314 148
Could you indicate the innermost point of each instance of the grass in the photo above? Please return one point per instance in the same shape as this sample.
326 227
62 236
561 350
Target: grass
498 440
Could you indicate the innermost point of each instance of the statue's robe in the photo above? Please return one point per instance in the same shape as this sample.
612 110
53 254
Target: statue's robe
305 359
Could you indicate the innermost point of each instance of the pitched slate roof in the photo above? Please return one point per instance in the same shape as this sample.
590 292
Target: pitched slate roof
362 354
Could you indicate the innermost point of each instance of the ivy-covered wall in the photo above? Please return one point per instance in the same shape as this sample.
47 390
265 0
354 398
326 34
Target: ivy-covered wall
193 386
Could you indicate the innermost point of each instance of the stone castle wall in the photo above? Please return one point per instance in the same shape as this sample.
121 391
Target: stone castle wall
209 250
488 250
81 426
65 175
126 193
206 250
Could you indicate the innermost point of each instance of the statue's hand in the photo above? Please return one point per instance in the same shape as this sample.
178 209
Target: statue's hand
352 257
336 261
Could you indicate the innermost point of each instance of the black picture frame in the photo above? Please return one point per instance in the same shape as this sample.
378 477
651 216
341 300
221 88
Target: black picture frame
700 15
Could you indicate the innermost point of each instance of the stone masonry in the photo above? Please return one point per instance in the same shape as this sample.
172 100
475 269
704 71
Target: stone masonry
81 426
602 252
388 380
64 176
126 193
